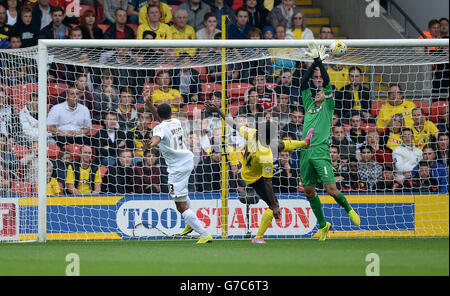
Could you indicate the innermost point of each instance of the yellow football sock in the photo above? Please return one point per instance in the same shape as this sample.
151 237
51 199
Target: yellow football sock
265 222
290 145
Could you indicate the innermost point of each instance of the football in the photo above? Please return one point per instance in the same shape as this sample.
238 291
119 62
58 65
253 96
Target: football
338 48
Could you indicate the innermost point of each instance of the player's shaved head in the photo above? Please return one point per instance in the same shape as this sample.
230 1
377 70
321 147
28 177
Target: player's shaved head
164 111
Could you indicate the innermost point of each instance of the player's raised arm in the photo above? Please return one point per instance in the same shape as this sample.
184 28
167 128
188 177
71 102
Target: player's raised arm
318 54
213 108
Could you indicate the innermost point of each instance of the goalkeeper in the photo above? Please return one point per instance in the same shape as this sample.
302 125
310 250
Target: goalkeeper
315 163
257 163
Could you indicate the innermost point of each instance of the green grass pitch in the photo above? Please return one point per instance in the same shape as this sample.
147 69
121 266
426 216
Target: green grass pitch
279 257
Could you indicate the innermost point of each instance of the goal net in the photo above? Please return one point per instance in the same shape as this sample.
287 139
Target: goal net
73 120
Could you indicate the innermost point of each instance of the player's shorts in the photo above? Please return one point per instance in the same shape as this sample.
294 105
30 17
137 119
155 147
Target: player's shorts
260 189
179 181
316 167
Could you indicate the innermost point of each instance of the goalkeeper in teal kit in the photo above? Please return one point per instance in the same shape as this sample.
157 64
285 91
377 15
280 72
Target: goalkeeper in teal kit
315 163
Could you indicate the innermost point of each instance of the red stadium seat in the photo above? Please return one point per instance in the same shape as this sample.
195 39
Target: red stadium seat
94 130
424 105
20 93
53 151
193 109
203 73
208 87
376 108
134 27
54 89
21 188
19 150
99 14
104 27
74 149
237 90
439 111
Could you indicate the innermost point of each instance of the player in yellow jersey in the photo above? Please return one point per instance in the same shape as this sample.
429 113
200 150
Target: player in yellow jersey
257 164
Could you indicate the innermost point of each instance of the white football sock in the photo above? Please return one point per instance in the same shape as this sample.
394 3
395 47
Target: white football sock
194 222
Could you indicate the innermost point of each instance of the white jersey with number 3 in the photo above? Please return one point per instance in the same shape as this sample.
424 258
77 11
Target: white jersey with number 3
177 156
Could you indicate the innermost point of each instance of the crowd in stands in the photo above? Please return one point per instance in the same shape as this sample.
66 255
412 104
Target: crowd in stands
99 129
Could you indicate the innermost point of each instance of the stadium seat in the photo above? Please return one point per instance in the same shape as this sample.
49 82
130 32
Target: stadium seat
209 87
103 170
54 89
20 93
134 27
424 105
99 14
74 150
21 188
94 130
237 90
53 151
191 109
203 73
19 150
439 110
104 27
376 108
347 127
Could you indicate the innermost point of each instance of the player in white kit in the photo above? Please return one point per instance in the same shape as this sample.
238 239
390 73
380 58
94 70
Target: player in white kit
168 135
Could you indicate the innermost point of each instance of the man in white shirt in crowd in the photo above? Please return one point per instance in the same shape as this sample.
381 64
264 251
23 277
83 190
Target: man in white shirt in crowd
406 156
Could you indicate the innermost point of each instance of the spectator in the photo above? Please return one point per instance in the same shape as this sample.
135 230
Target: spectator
133 10
220 8
53 187
110 8
13 11
285 85
70 121
422 181
210 29
340 168
298 29
196 11
138 137
390 137
339 78
76 33
28 117
406 156
147 178
326 32
121 58
9 119
208 172
267 97
280 64
186 80
424 130
120 177
105 95
356 135
41 14
60 166
395 104
29 164
355 96
355 184
181 30
282 110
56 29
442 148
382 156
19 69
438 170
443 22
347 149
369 170
109 139
8 159
83 176
126 111
25 28
89 25
257 14
268 32
388 182
252 107
240 28
166 94
281 15
5 185
162 30
265 64
285 177
434 30
166 13
5 29
294 128
119 29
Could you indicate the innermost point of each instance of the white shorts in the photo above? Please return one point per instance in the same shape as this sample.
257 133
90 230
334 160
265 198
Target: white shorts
178 183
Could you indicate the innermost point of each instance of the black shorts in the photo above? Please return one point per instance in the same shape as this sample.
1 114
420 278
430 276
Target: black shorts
260 189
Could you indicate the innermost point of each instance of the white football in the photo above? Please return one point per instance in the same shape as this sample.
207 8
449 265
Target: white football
338 48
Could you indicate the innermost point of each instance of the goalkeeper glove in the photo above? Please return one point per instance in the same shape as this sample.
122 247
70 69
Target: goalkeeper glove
322 52
313 52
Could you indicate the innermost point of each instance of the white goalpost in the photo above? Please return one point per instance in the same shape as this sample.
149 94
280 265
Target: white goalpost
228 69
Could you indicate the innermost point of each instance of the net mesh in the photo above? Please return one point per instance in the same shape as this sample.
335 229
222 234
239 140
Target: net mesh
105 182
